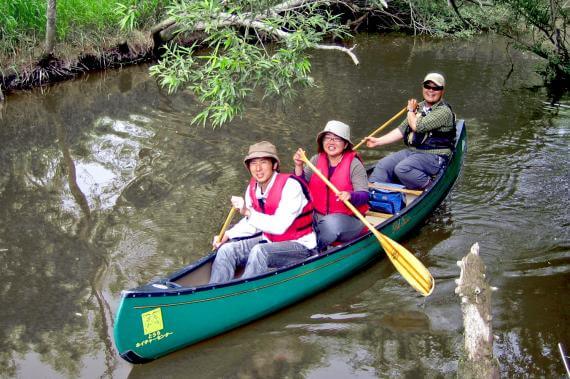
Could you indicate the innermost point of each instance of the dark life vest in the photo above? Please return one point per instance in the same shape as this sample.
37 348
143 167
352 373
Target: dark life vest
434 139
301 226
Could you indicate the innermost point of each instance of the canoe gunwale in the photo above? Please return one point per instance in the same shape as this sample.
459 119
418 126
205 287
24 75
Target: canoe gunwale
149 291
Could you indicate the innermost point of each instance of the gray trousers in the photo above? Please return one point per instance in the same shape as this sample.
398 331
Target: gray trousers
411 168
337 227
255 256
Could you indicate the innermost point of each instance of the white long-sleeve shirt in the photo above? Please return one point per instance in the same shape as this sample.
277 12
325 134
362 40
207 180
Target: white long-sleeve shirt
290 207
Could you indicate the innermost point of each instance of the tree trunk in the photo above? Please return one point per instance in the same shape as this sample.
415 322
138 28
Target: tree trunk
50 26
475 292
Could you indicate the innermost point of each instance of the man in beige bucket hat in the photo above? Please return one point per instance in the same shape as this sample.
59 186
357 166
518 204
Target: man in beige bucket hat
277 228
429 133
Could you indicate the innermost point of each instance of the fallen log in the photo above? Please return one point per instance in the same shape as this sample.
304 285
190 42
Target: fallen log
475 293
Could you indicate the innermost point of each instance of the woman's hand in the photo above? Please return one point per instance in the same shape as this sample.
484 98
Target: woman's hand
297 158
299 163
343 196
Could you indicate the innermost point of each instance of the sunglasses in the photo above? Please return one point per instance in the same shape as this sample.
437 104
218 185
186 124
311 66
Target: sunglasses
433 88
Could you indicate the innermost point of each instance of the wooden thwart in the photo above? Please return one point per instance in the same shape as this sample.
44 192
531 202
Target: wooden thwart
395 189
379 214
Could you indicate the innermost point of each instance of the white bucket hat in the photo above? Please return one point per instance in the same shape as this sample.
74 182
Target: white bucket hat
337 128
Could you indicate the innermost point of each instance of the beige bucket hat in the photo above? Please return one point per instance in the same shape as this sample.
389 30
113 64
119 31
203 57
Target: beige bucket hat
263 149
337 128
436 78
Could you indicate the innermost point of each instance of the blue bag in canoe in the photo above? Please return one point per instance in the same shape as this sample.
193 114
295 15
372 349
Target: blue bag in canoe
386 201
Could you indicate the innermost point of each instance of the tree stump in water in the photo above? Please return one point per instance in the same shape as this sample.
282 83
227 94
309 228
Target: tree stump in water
475 293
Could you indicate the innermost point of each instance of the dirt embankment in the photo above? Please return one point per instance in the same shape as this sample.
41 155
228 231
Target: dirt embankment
52 69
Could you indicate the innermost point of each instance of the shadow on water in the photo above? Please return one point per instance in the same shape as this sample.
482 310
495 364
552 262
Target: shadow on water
104 186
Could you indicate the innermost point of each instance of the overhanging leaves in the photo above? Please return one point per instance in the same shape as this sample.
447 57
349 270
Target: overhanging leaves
250 46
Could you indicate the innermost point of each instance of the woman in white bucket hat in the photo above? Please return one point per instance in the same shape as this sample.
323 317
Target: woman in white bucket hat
336 159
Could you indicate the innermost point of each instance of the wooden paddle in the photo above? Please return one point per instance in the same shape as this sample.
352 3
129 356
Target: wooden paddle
409 266
226 224
400 113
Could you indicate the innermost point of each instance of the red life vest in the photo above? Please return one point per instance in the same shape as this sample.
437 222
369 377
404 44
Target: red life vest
301 226
324 199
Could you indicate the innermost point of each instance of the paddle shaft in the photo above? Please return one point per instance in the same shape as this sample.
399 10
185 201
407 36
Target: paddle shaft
380 128
226 224
423 285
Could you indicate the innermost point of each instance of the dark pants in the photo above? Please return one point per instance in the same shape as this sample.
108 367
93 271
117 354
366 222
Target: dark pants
337 227
411 168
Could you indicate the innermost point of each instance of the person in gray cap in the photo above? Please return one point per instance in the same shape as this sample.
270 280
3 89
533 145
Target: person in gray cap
336 159
428 131
278 219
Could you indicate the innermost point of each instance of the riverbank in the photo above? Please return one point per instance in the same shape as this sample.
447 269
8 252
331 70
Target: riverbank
89 36
108 34
52 69
116 33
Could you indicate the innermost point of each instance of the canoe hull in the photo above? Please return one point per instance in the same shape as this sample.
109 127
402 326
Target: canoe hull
152 321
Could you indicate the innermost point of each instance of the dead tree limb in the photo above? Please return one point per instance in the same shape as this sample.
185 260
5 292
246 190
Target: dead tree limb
475 293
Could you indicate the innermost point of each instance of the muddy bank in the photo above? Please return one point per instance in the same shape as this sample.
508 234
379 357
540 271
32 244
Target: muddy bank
51 69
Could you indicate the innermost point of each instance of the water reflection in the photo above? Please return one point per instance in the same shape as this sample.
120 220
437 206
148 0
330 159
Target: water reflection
103 186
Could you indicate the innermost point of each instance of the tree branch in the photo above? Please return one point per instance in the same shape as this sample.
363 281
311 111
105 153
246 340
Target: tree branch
452 4
228 19
340 48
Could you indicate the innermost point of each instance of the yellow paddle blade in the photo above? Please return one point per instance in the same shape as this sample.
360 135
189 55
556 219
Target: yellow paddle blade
407 265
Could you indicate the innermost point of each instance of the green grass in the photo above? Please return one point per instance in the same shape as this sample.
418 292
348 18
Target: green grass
78 22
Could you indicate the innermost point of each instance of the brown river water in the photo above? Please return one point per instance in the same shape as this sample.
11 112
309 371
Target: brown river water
104 185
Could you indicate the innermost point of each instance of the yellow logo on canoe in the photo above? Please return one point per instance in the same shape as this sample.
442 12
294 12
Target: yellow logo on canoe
152 321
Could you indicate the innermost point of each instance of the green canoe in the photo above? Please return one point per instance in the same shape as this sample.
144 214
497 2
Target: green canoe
182 309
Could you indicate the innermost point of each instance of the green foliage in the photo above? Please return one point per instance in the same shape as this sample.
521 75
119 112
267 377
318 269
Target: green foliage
20 19
536 26
540 27
135 14
24 21
128 15
239 63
